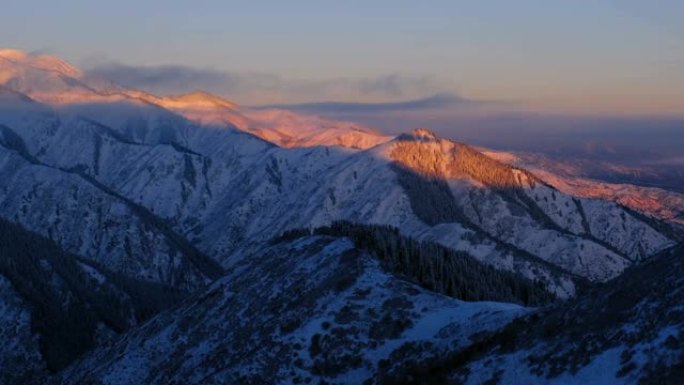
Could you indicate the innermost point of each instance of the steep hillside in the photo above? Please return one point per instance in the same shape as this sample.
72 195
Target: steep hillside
591 238
628 331
75 210
50 80
58 306
122 197
227 192
312 308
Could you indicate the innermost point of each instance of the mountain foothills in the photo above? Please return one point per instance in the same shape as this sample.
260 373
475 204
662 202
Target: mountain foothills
185 239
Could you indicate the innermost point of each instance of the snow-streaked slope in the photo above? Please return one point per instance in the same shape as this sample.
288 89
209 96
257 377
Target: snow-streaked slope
222 189
629 331
315 308
227 191
141 186
55 306
592 238
288 129
569 178
98 226
61 201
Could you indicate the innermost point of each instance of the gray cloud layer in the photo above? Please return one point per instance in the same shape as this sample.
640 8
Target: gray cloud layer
172 78
259 87
484 123
432 102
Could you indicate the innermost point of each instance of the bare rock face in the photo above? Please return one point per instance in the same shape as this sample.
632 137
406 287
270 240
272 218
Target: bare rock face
423 134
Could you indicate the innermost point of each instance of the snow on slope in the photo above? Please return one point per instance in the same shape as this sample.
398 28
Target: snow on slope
660 203
45 78
315 308
143 186
592 238
55 306
288 129
46 191
630 331
87 221
51 80
227 191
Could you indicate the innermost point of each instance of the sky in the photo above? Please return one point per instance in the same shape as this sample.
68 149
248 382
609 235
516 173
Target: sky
580 57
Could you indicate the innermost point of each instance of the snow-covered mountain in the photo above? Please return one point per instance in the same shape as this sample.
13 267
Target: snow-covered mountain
629 331
326 310
234 191
59 200
177 192
333 313
51 80
56 306
225 192
571 178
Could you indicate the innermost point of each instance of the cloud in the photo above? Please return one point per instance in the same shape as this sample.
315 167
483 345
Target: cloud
167 79
262 87
432 102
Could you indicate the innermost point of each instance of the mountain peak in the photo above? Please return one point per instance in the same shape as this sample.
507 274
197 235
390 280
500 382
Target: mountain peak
419 135
12 54
41 62
423 133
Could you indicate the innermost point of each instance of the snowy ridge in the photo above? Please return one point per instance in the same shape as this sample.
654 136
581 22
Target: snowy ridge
62 305
234 181
636 336
53 81
328 312
176 191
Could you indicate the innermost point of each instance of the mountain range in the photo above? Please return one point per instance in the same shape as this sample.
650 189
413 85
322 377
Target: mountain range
186 239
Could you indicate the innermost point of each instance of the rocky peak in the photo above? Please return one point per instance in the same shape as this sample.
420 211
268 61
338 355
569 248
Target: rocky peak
419 134
424 153
423 133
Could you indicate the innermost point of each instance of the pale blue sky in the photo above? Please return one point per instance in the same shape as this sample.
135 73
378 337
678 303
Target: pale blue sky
613 56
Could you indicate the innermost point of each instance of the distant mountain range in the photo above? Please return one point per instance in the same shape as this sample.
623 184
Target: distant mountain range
143 242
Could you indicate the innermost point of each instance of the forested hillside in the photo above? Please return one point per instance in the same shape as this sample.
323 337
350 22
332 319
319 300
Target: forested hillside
74 304
435 267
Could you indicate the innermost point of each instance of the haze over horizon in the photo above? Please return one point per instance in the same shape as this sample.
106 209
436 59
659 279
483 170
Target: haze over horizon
571 74
587 58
